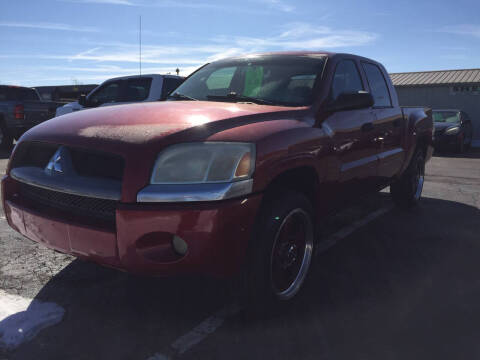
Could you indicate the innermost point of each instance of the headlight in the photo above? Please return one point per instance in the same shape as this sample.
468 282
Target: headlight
452 130
210 162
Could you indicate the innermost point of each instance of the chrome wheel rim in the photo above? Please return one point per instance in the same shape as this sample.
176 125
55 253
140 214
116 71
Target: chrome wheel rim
419 178
291 254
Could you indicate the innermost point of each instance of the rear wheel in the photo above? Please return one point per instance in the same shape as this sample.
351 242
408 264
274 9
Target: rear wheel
407 190
468 145
460 147
282 250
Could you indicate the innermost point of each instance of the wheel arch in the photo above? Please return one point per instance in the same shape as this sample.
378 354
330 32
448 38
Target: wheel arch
419 134
303 179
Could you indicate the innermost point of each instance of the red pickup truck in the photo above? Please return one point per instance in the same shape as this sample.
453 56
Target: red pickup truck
230 176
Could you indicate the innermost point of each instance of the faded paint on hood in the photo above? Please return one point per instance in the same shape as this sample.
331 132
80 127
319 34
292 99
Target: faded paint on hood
142 123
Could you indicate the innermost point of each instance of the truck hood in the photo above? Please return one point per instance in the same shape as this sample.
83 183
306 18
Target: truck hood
138 132
143 123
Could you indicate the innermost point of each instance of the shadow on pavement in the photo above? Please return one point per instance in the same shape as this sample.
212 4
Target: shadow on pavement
472 153
114 315
406 286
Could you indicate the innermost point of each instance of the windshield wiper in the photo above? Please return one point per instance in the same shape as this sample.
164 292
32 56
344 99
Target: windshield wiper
240 98
179 96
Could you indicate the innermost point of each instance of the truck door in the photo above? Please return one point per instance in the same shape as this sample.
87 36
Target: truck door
389 123
352 133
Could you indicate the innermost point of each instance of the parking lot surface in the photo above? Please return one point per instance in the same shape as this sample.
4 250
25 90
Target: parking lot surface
397 285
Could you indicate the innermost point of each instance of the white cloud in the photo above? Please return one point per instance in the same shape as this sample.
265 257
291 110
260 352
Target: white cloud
302 36
157 3
463 29
111 2
105 72
100 60
279 5
47 26
295 36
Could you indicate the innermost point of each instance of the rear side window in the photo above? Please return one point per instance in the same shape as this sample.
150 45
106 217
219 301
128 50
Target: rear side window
28 94
346 79
378 85
18 94
108 93
170 84
4 93
137 89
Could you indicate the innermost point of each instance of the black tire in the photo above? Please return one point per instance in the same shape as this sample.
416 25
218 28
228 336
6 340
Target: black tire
468 145
460 146
282 246
6 140
407 190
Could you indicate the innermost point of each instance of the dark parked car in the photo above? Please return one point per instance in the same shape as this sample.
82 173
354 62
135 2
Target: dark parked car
453 130
232 177
21 109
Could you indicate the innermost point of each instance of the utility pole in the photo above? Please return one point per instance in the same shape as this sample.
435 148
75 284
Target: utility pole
140 44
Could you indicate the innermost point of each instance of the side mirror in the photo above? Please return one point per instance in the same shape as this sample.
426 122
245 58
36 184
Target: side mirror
82 100
351 100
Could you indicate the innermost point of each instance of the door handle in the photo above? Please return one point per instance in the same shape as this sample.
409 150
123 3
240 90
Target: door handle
367 127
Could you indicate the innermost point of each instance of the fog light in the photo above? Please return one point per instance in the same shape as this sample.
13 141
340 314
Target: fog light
179 245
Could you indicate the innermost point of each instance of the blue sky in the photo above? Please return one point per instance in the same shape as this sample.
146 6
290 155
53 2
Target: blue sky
50 42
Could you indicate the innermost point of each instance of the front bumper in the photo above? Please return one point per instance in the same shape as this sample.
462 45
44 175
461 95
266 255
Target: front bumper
444 141
217 234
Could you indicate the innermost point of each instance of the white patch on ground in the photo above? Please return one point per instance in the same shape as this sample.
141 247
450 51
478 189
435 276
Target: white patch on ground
22 319
198 333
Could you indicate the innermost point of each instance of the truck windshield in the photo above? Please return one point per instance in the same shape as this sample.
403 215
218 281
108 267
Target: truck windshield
446 116
13 93
286 80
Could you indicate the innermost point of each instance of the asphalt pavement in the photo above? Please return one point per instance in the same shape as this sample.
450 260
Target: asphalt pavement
396 285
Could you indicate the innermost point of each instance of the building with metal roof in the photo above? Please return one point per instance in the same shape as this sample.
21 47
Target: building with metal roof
467 76
447 89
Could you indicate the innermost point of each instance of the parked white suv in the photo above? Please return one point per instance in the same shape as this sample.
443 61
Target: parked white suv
126 89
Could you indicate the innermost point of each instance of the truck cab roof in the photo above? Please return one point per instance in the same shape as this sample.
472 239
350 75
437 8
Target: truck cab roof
145 75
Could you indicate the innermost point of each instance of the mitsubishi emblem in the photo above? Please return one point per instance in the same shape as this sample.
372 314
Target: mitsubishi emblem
60 163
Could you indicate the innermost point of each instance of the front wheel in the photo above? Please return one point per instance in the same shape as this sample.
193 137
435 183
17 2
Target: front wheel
460 146
407 190
282 249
